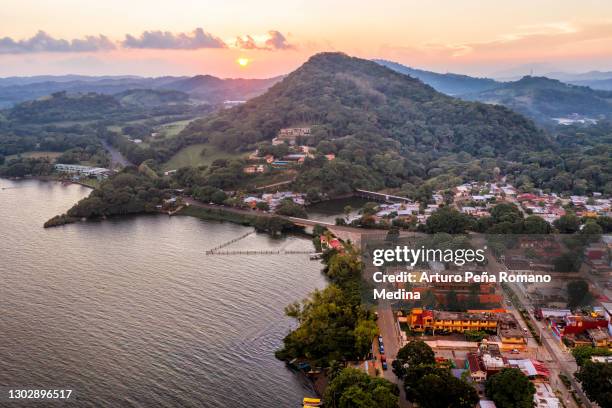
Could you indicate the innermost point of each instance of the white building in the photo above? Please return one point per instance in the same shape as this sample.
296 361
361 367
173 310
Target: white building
88 171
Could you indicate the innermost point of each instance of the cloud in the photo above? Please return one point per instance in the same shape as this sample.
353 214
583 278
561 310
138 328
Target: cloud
181 41
277 41
43 42
246 43
559 41
155 39
273 40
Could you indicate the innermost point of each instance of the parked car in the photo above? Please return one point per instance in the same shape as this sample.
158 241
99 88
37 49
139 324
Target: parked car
384 365
382 349
514 351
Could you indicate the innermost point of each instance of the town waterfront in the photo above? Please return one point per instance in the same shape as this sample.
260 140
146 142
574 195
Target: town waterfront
130 312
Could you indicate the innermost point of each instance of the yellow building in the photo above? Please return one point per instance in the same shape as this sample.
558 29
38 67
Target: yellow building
503 324
420 320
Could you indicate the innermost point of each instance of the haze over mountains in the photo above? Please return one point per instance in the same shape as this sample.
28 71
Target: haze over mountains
542 99
204 88
558 95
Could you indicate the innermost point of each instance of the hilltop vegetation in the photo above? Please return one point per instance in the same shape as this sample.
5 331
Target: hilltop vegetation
215 90
543 98
539 98
60 107
204 88
351 97
384 127
450 84
151 97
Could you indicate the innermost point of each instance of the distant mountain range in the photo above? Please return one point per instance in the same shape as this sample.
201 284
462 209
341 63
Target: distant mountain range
450 84
204 88
540 98
544 98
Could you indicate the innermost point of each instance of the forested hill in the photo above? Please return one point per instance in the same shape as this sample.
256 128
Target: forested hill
341 96
62 106
449 83
214 90
544 98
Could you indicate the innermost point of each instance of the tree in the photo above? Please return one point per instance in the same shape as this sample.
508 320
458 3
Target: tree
445 391
595 380
449 220
567 224
452 301
291 209
347 212
429 299
578 294
605 223
582 354
353 388
263 206
218 197
510 388
567 262
506 212
591 232
536 225
413 354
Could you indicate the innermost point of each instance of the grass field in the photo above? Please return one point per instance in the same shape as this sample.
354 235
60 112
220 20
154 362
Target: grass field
36 155
172 129
191 156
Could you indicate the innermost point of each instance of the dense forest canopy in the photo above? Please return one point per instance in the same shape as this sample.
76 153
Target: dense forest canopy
544 99
352 97
390 130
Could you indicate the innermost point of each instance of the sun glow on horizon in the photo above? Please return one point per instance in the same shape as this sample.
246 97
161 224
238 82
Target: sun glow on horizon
243 62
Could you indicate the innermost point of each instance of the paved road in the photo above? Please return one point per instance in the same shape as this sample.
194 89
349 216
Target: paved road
117 159
564 360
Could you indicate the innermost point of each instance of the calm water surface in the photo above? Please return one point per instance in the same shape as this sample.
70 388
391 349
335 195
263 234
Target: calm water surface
131 313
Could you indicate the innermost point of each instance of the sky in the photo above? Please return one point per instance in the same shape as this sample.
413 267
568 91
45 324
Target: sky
272 37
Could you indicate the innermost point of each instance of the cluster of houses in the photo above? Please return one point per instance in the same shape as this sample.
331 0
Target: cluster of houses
274 199
77 171
579 329
487 360
550 206
487 357
477 199
405 211
296 155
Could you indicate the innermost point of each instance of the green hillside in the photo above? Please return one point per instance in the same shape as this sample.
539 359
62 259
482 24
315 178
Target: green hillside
543 99
352 97
387 129
151 97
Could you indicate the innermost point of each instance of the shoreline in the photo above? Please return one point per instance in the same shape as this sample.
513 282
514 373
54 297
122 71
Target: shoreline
49 179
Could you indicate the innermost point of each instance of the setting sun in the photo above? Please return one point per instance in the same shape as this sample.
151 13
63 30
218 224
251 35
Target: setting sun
243 62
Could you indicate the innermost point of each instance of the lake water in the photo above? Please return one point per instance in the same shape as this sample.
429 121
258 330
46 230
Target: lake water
329 210
130 312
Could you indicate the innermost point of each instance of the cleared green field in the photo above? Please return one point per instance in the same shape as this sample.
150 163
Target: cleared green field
172 129
36 155
191 156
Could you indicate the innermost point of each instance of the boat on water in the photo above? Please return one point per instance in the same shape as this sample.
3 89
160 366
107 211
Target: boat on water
312 402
